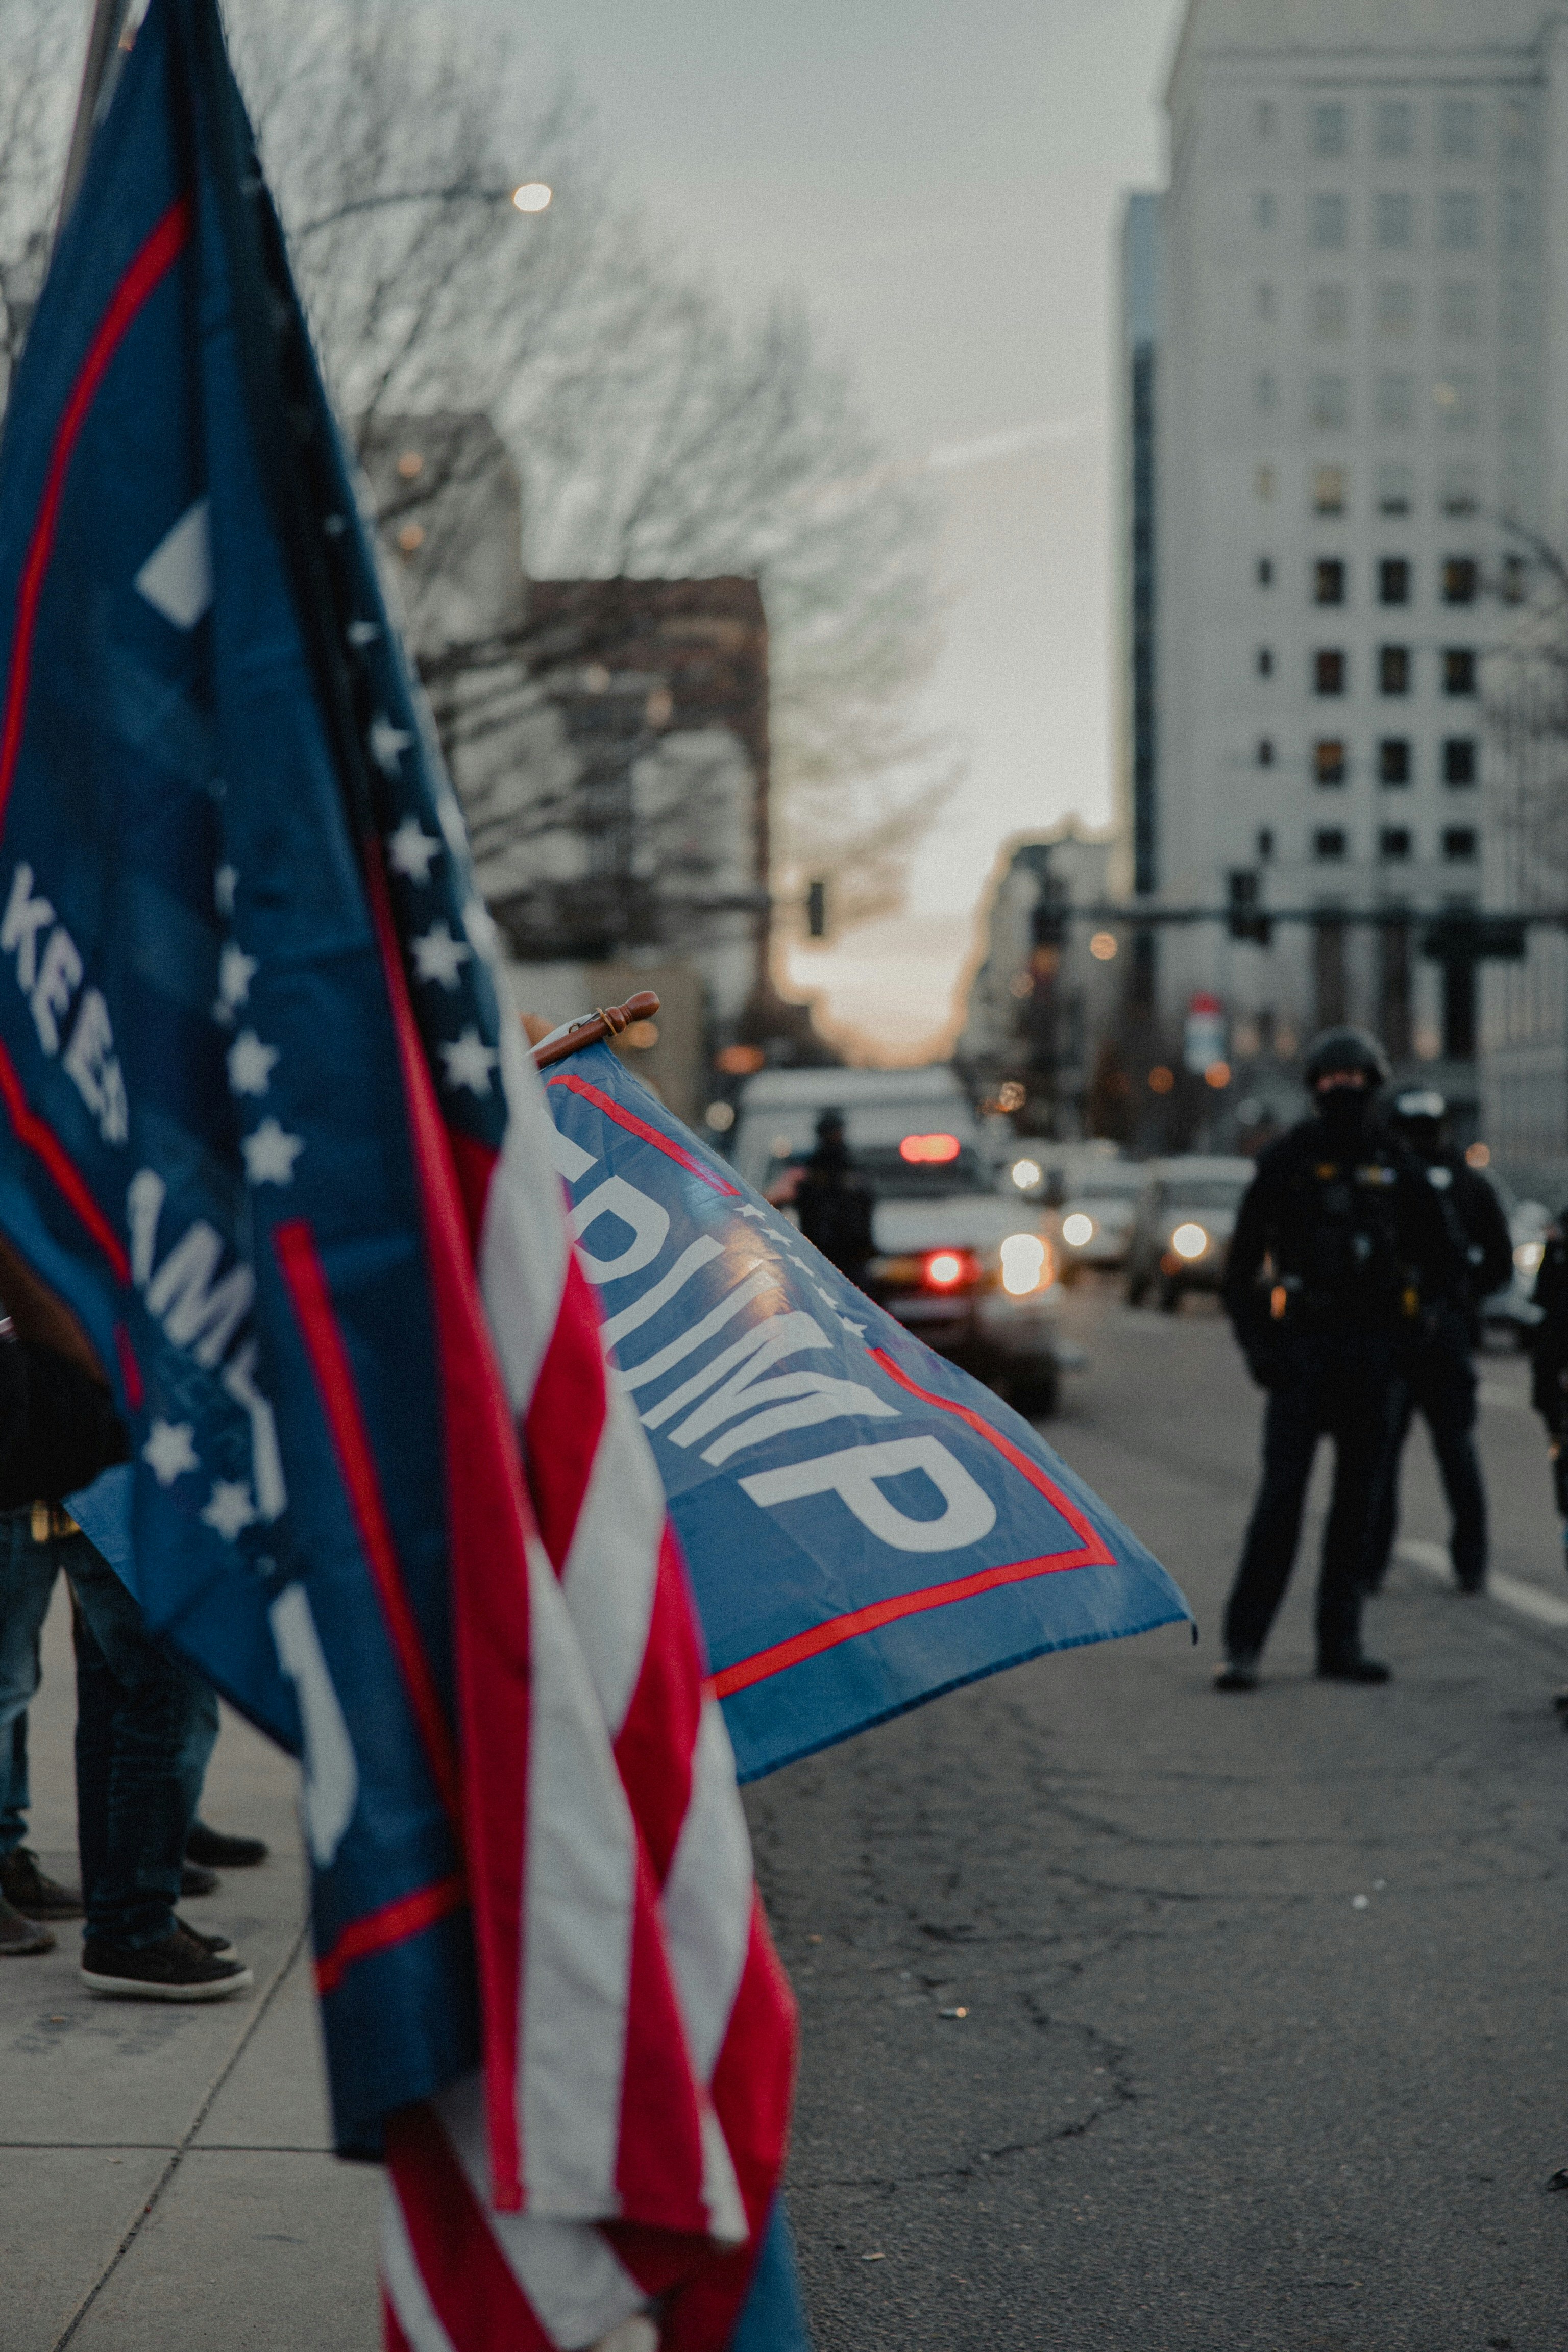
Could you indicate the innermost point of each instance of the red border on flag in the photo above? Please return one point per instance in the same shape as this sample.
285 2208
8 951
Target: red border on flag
1092 1553
394 1923
69 1178
640 1127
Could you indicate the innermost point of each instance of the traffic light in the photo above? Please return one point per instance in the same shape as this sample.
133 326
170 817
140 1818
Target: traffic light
816 910
1246 917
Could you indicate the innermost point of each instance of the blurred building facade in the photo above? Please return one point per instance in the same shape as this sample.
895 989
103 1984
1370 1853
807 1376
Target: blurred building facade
1358 309
608 739
1044 995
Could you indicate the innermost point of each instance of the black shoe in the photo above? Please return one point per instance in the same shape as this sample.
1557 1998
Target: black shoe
177 1968
20 1936
1470 1585
218 1851
1354 1670
221 1945
35 1894
195 1880
1239 1673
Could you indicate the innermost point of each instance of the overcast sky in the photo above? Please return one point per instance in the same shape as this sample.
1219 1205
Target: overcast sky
941 182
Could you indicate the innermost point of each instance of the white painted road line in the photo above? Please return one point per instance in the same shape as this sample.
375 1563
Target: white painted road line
1524 1600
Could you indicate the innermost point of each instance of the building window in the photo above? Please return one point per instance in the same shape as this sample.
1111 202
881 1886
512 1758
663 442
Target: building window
1329 404
1266 571
1394 984
1265 844
1264 209
1394 841
1393 579
1265 750
1395 402
1393 127
1461 578
1459 309
1458 220
1329 962
1330 765
1328 580
1330 842
1394 222
1326 222
1265 661
1329 490
1460 492
1265 119
1457 395
1459 128
1394 760
1515 223
1459 759
1396 489
1459 669
1394 669
1330 312
1263 303
1397 306
1328 129
1329 671
1265 391
1263 483
1458 844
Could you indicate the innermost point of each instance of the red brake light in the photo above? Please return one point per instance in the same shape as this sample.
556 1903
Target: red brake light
919 1148
945 1269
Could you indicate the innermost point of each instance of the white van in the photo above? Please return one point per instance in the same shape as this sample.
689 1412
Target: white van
911 1133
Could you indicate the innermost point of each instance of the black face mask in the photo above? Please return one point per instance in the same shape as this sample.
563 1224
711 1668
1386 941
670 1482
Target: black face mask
1343 1111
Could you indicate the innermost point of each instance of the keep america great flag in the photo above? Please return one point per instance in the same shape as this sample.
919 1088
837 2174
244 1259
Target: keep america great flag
269 1134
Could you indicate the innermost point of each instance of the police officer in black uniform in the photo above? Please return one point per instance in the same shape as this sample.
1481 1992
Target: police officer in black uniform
834 1201
1338 1241
1440 1371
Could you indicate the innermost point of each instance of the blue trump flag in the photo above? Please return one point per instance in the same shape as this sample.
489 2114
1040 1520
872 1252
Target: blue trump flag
866 1525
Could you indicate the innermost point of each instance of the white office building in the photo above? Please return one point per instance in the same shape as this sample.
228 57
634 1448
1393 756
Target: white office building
1362 310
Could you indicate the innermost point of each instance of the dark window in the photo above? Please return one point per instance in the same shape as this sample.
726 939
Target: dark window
1266 571
1461 578
1394 669
1458 670
1265 661
1394 841
1329 969
1330 842
1393 580
1458 1009
1265 841
1328 580
1459 843
1328 672
1459 759
1265 750
1329 762
1394 760
1394 988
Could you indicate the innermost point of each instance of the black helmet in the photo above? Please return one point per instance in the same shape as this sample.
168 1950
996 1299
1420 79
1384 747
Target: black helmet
1335 1052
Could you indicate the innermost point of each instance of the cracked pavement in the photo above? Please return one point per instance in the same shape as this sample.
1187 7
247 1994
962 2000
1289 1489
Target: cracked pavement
1263 2039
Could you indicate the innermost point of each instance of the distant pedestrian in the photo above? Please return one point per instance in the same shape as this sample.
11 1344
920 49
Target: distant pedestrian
1338 1241
834 1201
1548 1382
1439 1366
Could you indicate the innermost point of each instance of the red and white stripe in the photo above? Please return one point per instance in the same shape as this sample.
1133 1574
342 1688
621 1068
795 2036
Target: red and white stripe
624 2143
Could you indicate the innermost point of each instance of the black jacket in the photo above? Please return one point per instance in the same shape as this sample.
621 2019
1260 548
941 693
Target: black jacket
1487 1242
57 1428
1339 1242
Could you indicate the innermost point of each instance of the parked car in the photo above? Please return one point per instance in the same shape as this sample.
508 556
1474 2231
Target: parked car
975 1277
1097 1217
1185 1218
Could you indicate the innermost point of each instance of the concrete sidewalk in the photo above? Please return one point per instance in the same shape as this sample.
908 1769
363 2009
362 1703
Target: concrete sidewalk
167 2183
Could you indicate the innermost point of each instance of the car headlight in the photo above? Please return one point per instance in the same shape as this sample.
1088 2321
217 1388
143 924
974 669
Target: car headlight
1026 1174
1025 1265
1528 1255
1189 1241
1078 1229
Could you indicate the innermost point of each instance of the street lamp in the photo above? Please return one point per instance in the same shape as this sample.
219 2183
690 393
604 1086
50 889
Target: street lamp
532 197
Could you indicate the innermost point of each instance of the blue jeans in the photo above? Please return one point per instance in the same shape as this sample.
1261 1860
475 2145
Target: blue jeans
145 1724
27 1572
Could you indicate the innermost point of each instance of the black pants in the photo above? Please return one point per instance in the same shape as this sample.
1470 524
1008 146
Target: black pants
1442 1388
1346 1386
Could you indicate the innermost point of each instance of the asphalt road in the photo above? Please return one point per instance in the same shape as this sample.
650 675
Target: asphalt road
1265 2041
